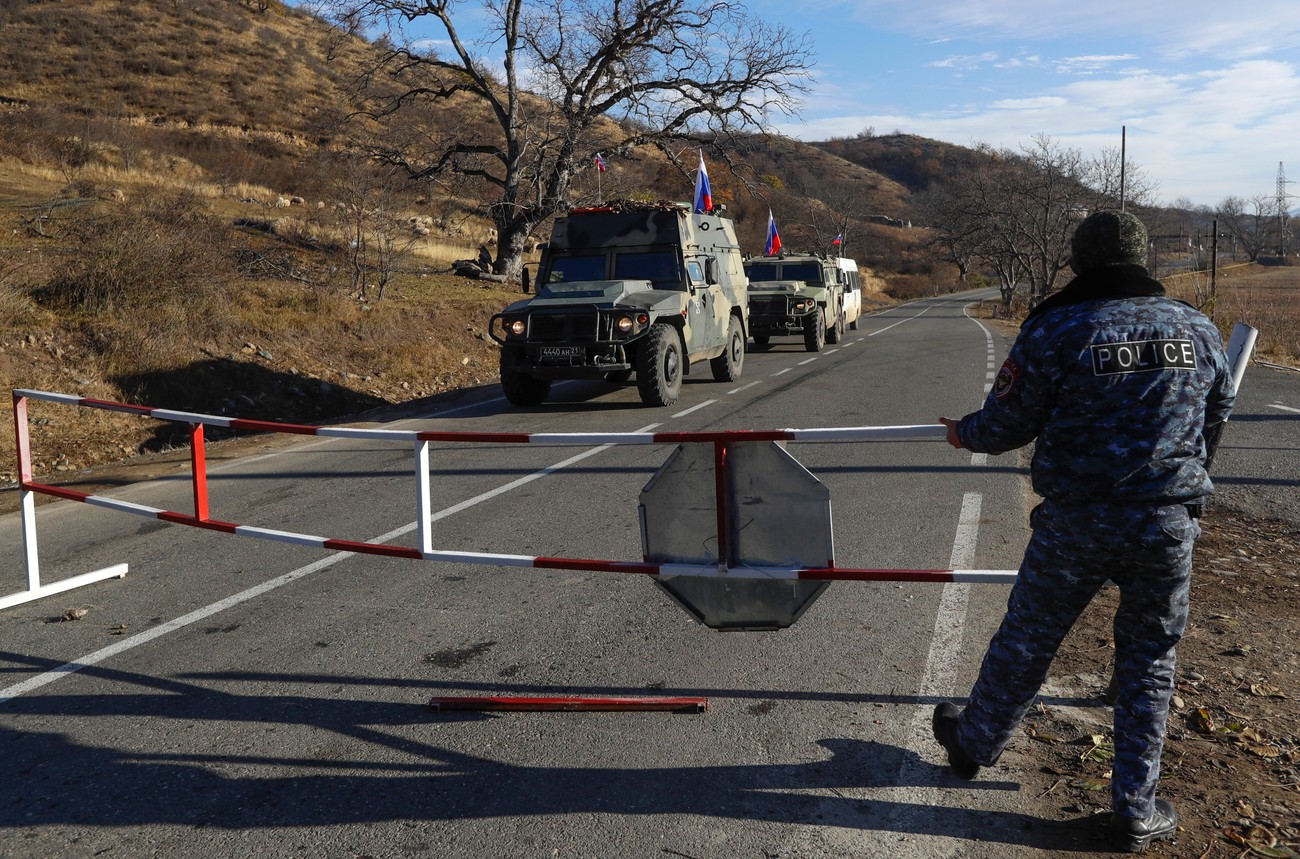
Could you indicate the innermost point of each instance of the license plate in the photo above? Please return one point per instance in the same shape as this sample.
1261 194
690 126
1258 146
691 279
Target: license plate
561 351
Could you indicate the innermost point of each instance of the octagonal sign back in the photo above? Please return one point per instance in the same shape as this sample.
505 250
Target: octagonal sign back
778 515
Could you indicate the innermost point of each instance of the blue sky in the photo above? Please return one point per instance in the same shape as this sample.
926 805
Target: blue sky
1209 91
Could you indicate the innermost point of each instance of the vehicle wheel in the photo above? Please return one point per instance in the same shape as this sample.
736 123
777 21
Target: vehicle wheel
618 377
726 367
659 366
762 340
520 388
853 326
814 331
836 332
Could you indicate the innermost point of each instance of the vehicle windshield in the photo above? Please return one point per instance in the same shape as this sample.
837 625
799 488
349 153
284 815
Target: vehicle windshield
658 267
574 269
809 272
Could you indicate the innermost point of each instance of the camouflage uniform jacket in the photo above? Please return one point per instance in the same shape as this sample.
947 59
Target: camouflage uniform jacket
1117 383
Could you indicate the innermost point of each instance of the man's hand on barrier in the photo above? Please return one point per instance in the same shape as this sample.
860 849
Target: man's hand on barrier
951 424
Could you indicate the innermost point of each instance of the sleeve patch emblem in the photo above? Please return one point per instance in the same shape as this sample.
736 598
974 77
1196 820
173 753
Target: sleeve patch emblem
1006 379
1109 359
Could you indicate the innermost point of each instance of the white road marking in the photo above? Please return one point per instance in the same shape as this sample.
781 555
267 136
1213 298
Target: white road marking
695 408
1283 408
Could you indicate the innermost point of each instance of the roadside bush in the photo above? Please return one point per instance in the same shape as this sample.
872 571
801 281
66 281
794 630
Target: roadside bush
157 249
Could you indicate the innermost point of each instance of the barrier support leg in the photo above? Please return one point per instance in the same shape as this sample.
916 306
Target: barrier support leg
27 501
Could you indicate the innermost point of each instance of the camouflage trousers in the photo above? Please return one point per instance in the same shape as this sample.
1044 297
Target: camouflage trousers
1147 552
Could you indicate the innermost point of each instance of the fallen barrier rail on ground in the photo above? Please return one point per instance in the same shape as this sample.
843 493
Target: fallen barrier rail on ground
420 439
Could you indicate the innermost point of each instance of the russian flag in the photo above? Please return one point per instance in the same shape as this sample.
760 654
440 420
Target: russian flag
839 240
773 237
600 163
703 193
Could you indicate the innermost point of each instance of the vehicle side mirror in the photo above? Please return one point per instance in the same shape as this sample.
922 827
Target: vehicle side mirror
710 270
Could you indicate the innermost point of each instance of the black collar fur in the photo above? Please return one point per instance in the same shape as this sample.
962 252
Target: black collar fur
1111 281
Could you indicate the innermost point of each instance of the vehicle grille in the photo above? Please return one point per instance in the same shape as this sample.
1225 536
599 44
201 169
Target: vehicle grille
562 327
769 305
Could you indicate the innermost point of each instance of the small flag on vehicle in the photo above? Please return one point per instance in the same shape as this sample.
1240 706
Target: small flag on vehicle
773 237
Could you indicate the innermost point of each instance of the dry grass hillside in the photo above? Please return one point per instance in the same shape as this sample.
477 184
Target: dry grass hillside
170 179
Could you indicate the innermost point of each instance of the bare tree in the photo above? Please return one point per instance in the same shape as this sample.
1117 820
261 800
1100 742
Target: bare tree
1250 230
670 72
367 216
1015 212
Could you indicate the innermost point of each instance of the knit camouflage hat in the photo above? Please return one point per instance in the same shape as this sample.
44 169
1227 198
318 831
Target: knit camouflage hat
1108 238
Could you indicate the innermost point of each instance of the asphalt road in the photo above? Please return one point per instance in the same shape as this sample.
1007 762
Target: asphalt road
237 697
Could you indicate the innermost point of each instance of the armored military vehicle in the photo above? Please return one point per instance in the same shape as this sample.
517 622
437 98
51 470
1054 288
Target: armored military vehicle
800 294
628 288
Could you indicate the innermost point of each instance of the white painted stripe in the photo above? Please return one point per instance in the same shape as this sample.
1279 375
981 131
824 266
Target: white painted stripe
809 361
189 417
480 558
123 506
69 399
782 371
695 408
741 388
986 577
831 351
979 459
280 536
868 433
370 434
244 596
1283 408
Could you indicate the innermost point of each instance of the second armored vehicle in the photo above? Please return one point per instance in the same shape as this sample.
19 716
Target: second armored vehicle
802 294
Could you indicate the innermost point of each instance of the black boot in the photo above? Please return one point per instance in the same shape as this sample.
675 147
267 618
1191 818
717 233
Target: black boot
1134 835
945 731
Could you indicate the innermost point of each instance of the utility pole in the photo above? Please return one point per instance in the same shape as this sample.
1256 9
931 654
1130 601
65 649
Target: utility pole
1282 197
1123 150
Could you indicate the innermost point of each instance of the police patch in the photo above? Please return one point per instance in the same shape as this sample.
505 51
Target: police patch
1109 359
1006 379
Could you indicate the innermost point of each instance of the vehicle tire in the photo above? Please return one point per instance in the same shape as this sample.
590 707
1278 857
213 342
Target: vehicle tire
762 340
814 331
727 366
520 388
660 366
836 332
618 377
853 326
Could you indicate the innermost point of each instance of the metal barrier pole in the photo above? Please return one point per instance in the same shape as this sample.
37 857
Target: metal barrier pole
199 471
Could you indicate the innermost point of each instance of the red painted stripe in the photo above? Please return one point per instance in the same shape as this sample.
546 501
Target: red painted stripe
271 426
498 702
209 524
595 566
56 491
116 407
494 437
374 549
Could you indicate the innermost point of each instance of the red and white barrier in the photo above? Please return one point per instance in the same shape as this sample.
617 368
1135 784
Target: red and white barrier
420 439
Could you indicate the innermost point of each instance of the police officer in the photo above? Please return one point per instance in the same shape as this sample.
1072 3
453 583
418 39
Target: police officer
1120 387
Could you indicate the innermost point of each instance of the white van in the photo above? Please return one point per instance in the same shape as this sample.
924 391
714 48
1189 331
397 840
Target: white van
848 269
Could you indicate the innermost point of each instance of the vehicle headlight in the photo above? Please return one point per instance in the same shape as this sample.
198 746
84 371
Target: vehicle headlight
624 324
517 327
